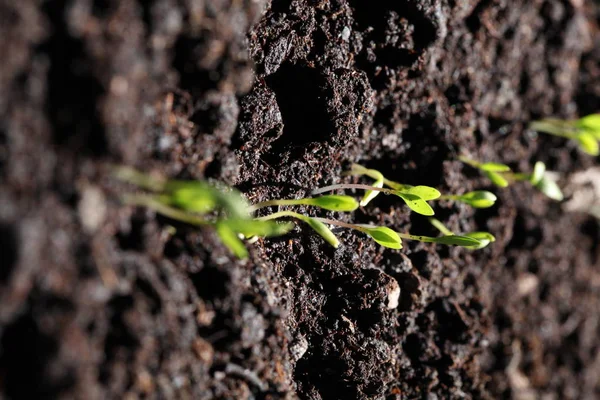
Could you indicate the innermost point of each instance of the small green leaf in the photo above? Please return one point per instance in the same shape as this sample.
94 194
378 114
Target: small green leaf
424 192
588 143
538 173
371 194
493 167
484 238
322 230
550 189
334 202
231 240
415 203
590 123
193 196
479 198
385 236
456 240
496 179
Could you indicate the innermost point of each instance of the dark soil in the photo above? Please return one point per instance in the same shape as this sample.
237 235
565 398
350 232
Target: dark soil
99 300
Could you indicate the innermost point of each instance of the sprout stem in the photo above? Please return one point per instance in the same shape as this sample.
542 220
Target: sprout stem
440 227
365 228
281 214
359 186
553 126
269 203
341 224
449 197
470 162
163 209
137 178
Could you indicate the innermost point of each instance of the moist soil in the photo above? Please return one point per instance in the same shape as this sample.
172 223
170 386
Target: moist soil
99 300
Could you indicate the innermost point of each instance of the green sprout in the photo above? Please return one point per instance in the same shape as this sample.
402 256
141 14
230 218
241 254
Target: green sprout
585 131
501 175
382 235
484 238
227 211
331 202
201 204
408 193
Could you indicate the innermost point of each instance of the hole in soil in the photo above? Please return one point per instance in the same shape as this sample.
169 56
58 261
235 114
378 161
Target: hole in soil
452 326
473 21
375 14
591 228
133 238
422 261
187 51
73 91
525 235
301 98
24 360
119 335
3 149
9 250
409 291
210 283
154 300
393 57
414 347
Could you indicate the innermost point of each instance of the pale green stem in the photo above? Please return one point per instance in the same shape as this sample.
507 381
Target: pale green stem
554 127
163 209
359 186
269 203
281 214
139 179
365 229
470 162
440 227
341 224
375 175
449 197
419 238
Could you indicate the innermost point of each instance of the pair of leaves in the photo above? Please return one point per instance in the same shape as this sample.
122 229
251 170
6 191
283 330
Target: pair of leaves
585 131
416 198
484 238
201 197
589 134
541 181
185 200
391 239
493 172
333 202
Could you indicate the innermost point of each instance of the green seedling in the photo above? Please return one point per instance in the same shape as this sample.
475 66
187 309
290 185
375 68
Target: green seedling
382 235
585 131
484 238
331 202
477 199
201 204
415 197
501 175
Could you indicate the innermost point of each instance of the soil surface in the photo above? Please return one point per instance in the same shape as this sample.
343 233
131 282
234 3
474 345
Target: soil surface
99 300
